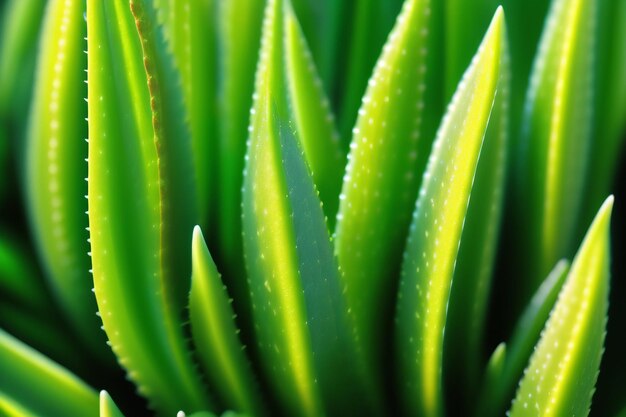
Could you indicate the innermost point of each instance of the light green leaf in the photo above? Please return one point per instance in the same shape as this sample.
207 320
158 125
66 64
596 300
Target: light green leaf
56 169
141 201
10 408
388 154
471 288
30 380
562 372
215 334
555 140
497 391
437 227
297 301
190 27
108 407
314 121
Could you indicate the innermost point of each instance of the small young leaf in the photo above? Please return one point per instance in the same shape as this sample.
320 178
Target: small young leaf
215 334
141 201
30 380
555 139
56 167
388 153
562 372
108 408
496 391
437 227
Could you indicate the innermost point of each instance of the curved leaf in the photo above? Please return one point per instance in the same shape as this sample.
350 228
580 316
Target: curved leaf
555 139
215 334
141 201
56 167
437 227
562 372
32 381
297 301
387 156
314 121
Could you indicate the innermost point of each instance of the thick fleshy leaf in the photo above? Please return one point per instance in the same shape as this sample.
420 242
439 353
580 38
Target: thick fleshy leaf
191 29
141 201
239 39
469 296
108 408
437 226
10 408
298 308
314 121
31 381
498 390
555 140
562 372
388 154
56 169
215 334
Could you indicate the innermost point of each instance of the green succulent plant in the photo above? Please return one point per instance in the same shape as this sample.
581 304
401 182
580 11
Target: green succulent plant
309 208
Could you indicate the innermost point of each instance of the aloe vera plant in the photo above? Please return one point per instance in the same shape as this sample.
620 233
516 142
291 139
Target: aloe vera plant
263 207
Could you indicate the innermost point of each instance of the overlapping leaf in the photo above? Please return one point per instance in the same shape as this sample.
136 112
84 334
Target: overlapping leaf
388 154
141 201
555 139
562 372
298 309
56 167
437 227
497 388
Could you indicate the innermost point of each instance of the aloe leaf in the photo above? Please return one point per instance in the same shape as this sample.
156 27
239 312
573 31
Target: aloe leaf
297 300
437 227
34 382
387 156
215 334
56 167
239 38
493 374
469 294
313 118
556 138
496 391
465 24
610 100
190 27
562 372
141 202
